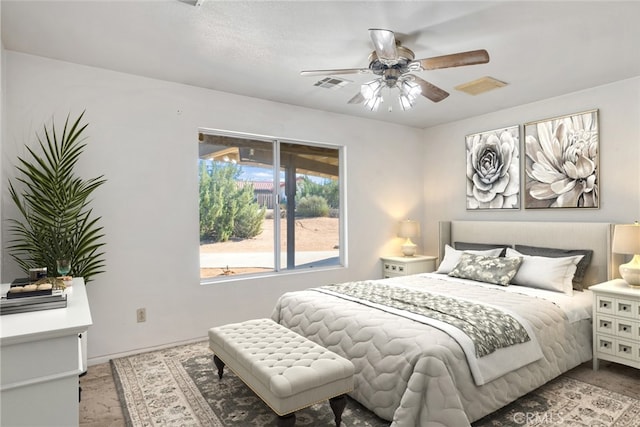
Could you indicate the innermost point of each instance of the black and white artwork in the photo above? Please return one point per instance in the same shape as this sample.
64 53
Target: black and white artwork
561 162
493 169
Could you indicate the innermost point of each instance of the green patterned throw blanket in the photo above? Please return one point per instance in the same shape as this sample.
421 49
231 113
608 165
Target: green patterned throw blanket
488 328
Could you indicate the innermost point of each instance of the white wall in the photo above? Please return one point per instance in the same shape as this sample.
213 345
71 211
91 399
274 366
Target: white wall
143 138
619 119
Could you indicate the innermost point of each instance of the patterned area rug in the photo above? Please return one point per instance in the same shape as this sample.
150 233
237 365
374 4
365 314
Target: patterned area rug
179 386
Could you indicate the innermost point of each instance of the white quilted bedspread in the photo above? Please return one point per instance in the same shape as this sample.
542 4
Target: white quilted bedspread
416 375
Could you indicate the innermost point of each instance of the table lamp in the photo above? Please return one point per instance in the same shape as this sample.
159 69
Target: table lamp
626 240
409 229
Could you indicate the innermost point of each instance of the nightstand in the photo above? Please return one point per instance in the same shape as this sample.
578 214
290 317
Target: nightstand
616 323
394 266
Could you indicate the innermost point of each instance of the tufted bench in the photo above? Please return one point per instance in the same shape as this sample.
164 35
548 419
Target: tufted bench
287 371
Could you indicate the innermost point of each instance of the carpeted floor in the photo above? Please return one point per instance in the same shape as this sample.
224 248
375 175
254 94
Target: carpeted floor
179 386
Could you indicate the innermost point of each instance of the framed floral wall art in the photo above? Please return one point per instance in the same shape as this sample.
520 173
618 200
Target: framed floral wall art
562 162
493 169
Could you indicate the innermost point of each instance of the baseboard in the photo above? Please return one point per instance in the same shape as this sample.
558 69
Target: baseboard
104 359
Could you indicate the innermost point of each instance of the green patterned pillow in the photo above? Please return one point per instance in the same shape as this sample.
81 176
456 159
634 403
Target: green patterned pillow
489 269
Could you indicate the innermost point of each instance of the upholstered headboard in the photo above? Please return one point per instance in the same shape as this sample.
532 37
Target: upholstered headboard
565 235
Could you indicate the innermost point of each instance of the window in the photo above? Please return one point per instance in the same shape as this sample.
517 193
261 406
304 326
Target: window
267 205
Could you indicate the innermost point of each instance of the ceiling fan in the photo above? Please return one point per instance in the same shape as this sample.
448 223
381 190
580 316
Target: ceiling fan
394 63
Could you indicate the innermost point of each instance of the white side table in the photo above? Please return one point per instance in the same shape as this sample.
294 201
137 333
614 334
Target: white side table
41 361
616 323
395 266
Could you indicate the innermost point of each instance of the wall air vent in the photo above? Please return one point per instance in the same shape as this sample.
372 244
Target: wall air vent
481 85
332 83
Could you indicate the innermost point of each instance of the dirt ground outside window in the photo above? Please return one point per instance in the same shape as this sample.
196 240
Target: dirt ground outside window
312 234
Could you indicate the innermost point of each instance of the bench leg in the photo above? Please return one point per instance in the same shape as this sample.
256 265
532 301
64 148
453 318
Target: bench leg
288 420
337 406
219 364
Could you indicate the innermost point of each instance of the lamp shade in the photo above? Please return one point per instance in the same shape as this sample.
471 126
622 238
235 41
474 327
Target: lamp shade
626 240
409 229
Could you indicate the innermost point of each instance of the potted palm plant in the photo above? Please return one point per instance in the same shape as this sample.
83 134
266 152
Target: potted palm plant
56 221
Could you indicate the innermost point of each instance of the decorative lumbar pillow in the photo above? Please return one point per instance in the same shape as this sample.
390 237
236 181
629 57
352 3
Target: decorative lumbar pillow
553 274
466 246
489 269
581 268
452 256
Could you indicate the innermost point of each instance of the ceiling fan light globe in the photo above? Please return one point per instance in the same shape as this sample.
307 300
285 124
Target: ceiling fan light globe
415 91
410 88
412 97
371 89
406 102
373 103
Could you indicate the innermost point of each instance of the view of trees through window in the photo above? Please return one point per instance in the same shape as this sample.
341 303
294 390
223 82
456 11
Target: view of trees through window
247 210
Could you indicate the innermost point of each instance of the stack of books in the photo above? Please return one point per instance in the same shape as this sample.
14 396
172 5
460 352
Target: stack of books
55 299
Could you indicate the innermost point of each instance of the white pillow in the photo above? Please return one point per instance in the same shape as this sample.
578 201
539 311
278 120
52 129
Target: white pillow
452 256
553 274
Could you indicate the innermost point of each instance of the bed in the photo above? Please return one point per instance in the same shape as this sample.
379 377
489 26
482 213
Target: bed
413 370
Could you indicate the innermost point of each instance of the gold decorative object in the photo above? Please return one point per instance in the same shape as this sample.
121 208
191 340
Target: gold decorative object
54 281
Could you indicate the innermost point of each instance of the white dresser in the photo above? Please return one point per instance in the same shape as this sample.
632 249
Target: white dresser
41 360
394 266
616 323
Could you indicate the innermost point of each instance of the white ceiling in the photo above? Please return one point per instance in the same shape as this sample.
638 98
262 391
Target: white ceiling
256 48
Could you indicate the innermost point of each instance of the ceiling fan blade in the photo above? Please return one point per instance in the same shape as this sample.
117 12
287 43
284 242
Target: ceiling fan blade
384 42
471 57
430 91
337 71
357 99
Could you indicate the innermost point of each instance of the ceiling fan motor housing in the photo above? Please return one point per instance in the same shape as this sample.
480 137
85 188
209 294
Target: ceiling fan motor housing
405 56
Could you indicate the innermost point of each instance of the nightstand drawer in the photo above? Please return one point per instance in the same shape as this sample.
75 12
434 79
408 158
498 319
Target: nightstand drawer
626 330
605 325
627 349
605 304
605 344
626 308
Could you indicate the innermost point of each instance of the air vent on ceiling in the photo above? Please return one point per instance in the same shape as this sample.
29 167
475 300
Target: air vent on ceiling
332 83
481 85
